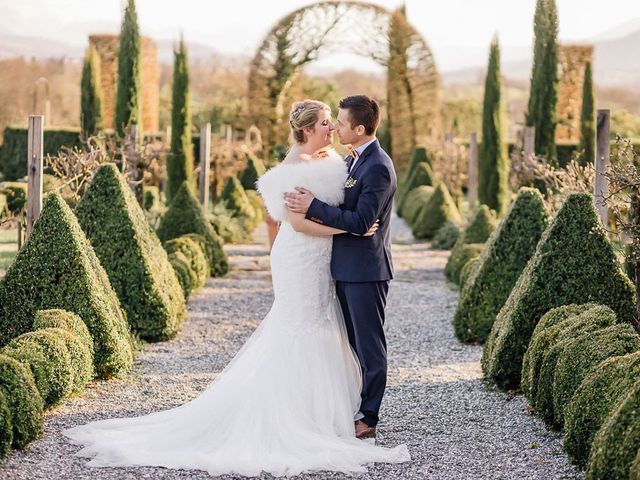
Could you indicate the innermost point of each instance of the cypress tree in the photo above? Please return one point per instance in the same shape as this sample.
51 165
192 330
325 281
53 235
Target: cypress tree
91 94
493 171
180 161
128 92
543 94
587 118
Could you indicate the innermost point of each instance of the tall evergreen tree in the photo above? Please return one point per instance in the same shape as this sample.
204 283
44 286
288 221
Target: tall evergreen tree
587 117
543 94
493 171
180 160
91 118
129 89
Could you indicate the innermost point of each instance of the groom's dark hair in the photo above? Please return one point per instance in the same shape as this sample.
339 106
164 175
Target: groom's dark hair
363 110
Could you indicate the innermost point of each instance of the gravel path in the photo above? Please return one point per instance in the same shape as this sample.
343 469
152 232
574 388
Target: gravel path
436 403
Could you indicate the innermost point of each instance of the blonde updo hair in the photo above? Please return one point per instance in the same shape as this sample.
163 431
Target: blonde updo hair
304 115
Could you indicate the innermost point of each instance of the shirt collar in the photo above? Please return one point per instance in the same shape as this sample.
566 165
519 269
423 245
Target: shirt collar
363 147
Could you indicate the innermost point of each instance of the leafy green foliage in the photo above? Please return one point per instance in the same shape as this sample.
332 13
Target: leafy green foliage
493 168
185 216
588 118
180 160
91 116
255 169
6 429
415 201
186 276
195 255
459 257
574 263
446 236
507 252
439 210
132 255
57 268
422 175
25 404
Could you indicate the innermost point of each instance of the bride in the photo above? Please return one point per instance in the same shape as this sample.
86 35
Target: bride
287 401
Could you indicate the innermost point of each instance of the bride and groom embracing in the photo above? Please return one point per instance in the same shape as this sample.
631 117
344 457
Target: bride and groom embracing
304 392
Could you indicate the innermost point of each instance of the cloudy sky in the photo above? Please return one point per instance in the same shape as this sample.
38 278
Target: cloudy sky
458 31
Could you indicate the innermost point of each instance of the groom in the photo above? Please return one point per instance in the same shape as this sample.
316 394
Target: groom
361 266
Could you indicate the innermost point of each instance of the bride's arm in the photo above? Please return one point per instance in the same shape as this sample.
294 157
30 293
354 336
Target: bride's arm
302 225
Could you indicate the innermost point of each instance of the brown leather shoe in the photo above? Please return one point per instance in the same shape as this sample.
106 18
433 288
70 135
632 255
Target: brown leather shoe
364 431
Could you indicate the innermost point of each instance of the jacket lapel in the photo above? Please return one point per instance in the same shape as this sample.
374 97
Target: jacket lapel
363 158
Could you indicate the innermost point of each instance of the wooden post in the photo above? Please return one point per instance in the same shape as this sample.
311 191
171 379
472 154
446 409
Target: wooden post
529 141
205 165
601 190
472 187
34 170
228 133
132 139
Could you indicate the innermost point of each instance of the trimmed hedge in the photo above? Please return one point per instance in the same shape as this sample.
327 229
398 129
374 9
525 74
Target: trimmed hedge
467 271
459 258
594 400
25 404
562 335
81 358
186 276
57 268
584 353
506 254
55 381
6 429
132 255
236 200
415 201
422 175
13 151
540 342
185 216
477 231
228 227
254 170
446 236
57 318
439 210
418 156
616 444
258 208
574 262
195 255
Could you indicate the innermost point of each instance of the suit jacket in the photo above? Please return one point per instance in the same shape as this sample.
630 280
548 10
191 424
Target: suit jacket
369 192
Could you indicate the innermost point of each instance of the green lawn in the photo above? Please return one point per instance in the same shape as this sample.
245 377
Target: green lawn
8 247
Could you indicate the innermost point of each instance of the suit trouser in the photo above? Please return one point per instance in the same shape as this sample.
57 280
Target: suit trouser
363 305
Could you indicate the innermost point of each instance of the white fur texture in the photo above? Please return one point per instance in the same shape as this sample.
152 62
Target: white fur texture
324 177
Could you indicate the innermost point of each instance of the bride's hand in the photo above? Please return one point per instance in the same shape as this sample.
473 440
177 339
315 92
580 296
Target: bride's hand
372 230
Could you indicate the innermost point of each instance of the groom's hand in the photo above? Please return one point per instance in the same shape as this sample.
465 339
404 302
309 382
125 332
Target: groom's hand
299 201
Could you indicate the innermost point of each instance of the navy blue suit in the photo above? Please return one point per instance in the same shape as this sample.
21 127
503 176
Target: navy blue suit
362 266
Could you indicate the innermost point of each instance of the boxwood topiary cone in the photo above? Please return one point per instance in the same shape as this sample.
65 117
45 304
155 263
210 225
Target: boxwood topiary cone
588 322
25 404
255 169
185 216
446 236
574 262
236 199
439 210
584 353
477 231
540 343
507 252
418 156
131 253
466 272
422 175
186 276
594 400
415 201
57 268
6 429
616 444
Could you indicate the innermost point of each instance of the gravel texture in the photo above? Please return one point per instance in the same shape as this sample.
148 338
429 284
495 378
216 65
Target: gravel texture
436 403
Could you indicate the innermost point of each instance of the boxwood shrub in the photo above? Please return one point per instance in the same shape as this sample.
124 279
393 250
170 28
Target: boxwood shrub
255 169
132 255
57 268
446 236
195 255
25 404
58 318
422 175
507 252
574 262
415 201
439 210
185 216
186 276
6 428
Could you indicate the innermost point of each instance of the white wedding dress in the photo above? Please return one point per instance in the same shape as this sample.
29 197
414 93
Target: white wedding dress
286 403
